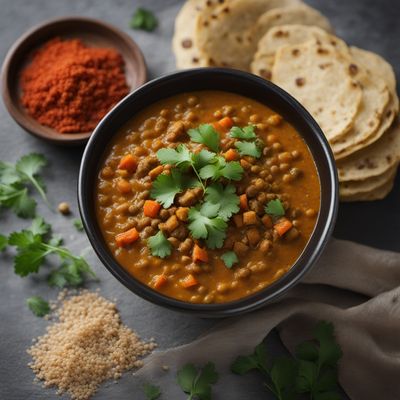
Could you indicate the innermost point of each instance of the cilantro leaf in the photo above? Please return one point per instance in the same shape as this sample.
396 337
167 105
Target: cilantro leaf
329 351
207 135
151 392
8 174
159 245
203 158
229 258
257 360
70 273
143 19
3 242
205 224
78 224
275 208
181 156
248 149
38 306
39 226
283 375
221 169
16 197
226 197
166 187
245 133
197 382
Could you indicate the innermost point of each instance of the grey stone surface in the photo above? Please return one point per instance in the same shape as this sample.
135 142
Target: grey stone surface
369 24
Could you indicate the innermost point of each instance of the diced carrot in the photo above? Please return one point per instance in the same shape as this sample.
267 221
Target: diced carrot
128 162
231 155
189 281
160 280
243 202
124 186
217 126
128 237
156 171
151 208
226 122
199 254
282 226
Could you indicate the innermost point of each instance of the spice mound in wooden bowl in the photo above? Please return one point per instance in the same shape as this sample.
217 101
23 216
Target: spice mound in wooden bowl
70 87
87 346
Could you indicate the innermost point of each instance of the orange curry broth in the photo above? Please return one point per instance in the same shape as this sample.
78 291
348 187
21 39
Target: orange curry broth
143 138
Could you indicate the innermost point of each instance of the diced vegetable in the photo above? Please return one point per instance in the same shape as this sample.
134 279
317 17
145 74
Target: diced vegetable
243 202
199 254
250 218
226 122
282 226
231 155
126 238
189 281
267 221
128 163
151 208
124 186
159 281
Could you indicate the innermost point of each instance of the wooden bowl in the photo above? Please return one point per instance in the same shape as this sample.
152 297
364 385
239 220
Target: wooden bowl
93 33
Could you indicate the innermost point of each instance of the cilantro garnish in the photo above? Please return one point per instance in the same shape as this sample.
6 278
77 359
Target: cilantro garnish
275 208
245 133
207 135
203 158
225 197
206 224
13 184
143 19
196 382
159 245
229 258
248 149
231 170
181 156
3 242
38 306
313 371
151 392
78 224
33 249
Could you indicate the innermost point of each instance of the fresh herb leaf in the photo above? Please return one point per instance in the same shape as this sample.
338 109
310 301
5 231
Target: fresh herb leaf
197 383
143 19
181 156
166 187
204 223
3 242
248 149
245 133
16 197
229 258
329 351
71 273
257 360
221 169
226 197
159 245
283 376
151 392
207 135
203 158
38 306
78 224
39 226
275 208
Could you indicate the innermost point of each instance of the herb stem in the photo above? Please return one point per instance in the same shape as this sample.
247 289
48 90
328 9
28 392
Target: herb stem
40 190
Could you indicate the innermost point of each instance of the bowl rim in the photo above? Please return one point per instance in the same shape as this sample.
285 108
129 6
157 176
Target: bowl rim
314 246
24 121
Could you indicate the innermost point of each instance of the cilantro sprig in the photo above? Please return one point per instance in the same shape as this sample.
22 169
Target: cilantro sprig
152 392
14 181
159 245
248 149
313 371
197 382
230 259
143 19
207 135
275 208
38 306
245 133
225 197
219 168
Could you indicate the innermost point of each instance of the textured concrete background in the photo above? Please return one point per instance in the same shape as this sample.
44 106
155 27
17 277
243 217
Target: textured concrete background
366 23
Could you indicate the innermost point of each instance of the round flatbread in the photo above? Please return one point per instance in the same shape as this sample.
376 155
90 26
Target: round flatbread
183 44
222 35
373 160
284 35
352 188
377 194
319 77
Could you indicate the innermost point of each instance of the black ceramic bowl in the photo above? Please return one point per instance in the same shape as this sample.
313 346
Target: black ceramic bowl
231 81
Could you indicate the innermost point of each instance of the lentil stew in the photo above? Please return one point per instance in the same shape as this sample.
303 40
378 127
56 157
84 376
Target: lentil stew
207 197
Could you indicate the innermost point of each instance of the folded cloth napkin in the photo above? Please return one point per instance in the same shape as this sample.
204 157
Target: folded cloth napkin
353 286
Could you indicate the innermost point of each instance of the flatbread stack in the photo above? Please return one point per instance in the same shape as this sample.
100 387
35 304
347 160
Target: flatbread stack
349 91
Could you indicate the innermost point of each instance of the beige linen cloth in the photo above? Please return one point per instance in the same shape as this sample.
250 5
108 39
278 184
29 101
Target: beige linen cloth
353 286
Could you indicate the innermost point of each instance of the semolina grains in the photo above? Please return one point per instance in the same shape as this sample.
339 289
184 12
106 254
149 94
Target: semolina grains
87 346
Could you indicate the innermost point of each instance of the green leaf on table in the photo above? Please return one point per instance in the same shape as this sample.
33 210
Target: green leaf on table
151 392
256 360
306 351
245 133
143 19
72 272
159 245
248 149
225 197
197 382
207 135
283 375
38 306
329 351
39 227
230 259
78 224
3 242
16 197
275 208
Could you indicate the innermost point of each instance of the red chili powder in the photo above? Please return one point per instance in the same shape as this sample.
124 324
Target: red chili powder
70 87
